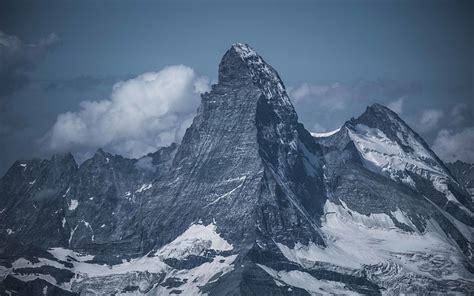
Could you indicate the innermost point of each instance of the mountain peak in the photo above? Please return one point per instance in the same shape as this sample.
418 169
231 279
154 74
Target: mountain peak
414 151
241 63
235 65
100 151
101 155
242 59
380 110
380 107
377 115
63 158
244 50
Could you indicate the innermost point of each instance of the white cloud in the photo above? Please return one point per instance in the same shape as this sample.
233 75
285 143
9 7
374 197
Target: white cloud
318 128
339 96
397 106
459 113
330 97
325 107
451 146
142 114
428 120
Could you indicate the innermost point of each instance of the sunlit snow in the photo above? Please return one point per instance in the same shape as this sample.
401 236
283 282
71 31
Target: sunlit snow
194 241
325 134
354 240
73 204
307 282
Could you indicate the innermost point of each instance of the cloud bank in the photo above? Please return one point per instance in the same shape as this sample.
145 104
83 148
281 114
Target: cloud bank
339 96
322 105
397 106
455 141
142 114
451 146
448 128
428 120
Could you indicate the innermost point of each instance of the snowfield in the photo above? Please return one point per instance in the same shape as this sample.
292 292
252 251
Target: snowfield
196 240
355 241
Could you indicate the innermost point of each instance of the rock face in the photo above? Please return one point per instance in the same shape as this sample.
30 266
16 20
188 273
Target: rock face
248 204
464 173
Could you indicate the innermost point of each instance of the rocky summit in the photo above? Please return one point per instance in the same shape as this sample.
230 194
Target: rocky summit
250 203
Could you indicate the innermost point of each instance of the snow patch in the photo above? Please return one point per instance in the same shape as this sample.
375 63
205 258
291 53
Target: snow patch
325 134
64 254
225 194
387 157
384 155
32 277
353 242
190 242
86 224
197 277
73 204
67 191
86 269
307 282
373 220
144 187
401 217
467 231
196 239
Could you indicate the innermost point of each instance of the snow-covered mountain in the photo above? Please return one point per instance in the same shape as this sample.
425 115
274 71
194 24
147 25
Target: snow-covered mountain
250 203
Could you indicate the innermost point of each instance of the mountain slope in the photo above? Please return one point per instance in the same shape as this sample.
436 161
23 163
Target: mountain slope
464 173
248 204
378 167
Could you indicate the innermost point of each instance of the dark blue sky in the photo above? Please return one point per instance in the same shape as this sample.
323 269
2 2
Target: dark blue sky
334 56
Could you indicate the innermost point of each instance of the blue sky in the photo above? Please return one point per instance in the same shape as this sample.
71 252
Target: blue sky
335 57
